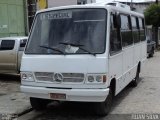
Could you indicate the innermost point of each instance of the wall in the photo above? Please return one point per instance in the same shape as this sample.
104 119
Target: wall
55 3
141 7
12 18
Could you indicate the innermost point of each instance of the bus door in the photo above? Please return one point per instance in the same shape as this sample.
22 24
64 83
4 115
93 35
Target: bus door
116 55
128 48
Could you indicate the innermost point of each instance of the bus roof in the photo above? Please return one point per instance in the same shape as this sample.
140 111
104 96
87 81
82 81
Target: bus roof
119 7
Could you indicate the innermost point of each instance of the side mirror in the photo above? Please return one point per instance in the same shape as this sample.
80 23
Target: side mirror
23 43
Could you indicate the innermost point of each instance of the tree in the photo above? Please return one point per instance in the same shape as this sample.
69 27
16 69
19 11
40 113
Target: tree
152 16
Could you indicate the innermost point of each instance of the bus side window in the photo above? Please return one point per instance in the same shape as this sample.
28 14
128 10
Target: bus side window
126 32
115 41
141 29
135 31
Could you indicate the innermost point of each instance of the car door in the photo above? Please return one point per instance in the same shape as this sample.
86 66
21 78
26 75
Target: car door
8 56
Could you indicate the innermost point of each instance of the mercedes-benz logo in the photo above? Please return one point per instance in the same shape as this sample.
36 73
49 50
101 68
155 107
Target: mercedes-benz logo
58 77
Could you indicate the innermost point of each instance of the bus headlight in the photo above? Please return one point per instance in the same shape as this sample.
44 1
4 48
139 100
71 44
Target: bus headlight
96 78
90 79
27 76
99 78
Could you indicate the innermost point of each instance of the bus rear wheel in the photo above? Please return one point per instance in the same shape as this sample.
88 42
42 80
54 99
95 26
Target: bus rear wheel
134 82
38 103
103 108
152 53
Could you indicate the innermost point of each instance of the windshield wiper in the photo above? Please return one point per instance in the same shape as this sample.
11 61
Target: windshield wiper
52 48
77 45
72 44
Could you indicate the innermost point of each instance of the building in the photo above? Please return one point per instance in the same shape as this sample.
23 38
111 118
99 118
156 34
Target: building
139 6
12 18
55 3
136 5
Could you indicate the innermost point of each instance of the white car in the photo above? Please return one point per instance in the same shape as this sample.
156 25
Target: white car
11 50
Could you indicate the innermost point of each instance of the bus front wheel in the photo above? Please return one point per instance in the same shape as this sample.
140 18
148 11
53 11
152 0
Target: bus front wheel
103 108
38 103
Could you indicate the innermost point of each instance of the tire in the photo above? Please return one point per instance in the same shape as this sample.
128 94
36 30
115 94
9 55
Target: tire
103 108
152 53
38 104
134 82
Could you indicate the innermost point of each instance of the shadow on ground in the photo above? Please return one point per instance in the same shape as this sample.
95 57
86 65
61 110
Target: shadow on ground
81 111
9 77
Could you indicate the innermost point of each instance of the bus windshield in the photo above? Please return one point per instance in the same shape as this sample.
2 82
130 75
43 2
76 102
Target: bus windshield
71 31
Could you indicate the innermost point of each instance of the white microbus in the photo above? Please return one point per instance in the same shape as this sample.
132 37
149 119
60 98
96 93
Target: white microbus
85 53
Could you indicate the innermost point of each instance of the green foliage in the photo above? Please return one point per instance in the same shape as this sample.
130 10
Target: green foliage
152 15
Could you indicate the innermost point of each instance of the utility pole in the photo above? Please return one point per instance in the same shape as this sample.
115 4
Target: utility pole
156 30
156 1
131 5
32 7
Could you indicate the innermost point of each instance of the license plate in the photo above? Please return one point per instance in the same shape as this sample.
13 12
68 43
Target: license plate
58 96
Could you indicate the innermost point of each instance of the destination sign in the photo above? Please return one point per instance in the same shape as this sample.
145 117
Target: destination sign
56 15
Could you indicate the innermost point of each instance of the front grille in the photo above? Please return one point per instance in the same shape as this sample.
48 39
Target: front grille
44 76
76 75
67 77
73 77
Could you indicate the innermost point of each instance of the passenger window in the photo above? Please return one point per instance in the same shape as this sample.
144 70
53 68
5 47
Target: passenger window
126 32
7 44
115 41
135 31
22 44
141 29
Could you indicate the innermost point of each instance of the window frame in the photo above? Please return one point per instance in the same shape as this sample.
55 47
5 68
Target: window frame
137 28
128 30
140 19
114 26
34 24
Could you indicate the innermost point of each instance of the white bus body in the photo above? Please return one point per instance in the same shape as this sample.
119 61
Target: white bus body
75 69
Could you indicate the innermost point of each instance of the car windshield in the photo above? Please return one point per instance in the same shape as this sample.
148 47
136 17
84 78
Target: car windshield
73 31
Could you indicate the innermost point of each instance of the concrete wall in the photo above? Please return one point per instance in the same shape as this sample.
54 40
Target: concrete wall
140 7
55 3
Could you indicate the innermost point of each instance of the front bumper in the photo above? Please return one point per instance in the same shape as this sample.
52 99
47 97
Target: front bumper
82 95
